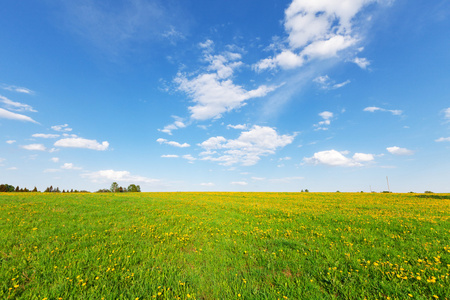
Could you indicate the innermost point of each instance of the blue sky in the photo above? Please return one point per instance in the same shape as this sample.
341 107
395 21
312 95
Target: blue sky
226 95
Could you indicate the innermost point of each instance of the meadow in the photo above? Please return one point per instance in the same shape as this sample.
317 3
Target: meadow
224 246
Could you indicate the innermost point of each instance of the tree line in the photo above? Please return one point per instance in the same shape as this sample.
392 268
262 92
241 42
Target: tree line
115 188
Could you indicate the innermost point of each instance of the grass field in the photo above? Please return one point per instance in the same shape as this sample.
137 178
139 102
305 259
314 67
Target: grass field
224 246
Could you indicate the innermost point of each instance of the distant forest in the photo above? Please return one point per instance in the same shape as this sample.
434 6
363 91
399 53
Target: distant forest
115 188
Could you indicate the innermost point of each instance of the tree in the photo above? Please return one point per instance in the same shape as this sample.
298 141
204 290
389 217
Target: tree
132 188
35 190
114 187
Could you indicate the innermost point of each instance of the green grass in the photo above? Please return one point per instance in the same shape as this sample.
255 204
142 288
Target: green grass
224 246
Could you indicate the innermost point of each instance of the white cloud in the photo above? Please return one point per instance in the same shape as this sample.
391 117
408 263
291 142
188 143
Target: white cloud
363 63
189 157
16 106
12 168
443 139
335 158
363 157
121 176
395 112
17 89
45 135
213 92
175 125
34 147
54 159
82 143
52 170
327 84
172 143
62 128
70 166
5 114
399 151
239 183
2 160
247 149
169 156
10 141
447 113
316 29
239 126
207 184
326 116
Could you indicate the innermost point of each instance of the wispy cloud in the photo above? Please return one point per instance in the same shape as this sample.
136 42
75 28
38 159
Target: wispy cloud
446 113
82 143
169 156
45 135
5 114
247 149
16 106
242 183
119 176
17 89
177 124
34 147
10 141
395 112
399 151
62 128
115 29
443 139
70 166
172 143
326 83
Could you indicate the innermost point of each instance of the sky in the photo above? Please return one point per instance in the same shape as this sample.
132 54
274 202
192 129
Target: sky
194 95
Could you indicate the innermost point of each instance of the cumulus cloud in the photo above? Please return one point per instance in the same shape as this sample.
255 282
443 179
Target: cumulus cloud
16 106
336 158
316 30
82 143
443 139
247 149
6 114
62 128
34 147
69 166
326 116
54 159
207 184
172 143
399 151
363 63
10 141
213 92
120 176
326 83
395 112
45 135
363 157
